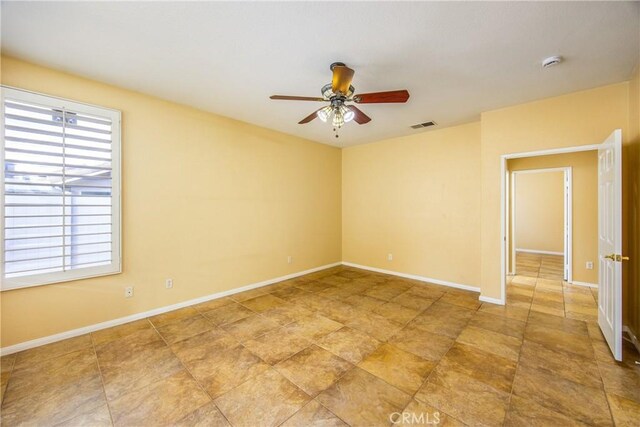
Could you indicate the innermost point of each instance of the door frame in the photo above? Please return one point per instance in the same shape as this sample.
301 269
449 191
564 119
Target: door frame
504 197
567 233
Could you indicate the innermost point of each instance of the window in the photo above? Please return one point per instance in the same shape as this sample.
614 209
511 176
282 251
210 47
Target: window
61 190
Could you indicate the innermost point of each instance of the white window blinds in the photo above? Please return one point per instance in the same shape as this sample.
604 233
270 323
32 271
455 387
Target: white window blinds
61 181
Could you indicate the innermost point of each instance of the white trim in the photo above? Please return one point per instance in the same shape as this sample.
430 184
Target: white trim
115 322
511 227
491 300
415 277
551 151
504 195
585 284
535 251
632 336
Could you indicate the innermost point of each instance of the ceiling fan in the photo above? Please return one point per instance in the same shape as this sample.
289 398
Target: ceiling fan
340 91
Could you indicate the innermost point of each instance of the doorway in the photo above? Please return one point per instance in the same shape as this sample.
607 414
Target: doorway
541 223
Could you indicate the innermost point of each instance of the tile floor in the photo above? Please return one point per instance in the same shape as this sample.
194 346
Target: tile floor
334 348
538 285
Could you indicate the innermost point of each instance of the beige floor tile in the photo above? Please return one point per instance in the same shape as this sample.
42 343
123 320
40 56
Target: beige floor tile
443 319
361 399
94 417
266 400
428 345
313 327
525 412
576 401
338 311
185 328
228 313
626 413
414 300
419 413
110 334
286 313
163 402
571 326
462 299
554 309
263 303
501 324
523 280
558 340
220 366
491 342
349 344
276 345
374 325
363 302
313 369
243 296
314 414
53 390
509 311
49 351
621 380
250 327
127 367
166 318
575 368
465 398
205 416
488 368
396 313
212 304
401 369
387 291
289 293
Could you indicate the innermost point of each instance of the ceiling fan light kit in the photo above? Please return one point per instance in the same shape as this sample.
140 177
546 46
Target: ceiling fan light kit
340 91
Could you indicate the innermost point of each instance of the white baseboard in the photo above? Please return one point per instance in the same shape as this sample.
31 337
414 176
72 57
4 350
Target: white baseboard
588 285
497 301
119 321
415 277
535 251
632 336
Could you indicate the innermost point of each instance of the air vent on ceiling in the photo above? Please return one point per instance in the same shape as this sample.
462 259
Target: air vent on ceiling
423 125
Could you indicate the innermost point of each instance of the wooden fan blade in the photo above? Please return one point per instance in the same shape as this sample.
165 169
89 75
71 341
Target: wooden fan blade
360 117
382 97
296 98
310 117
342 77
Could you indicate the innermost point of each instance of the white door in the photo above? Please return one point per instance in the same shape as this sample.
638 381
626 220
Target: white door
610 241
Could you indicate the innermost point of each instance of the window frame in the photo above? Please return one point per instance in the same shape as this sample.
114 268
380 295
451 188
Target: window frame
115 267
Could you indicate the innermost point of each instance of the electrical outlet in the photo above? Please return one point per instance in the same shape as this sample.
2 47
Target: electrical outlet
168 283
289 259
589 265
128 292
390 257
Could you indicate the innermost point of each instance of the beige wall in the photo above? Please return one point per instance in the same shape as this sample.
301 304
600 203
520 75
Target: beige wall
579 118
585 205
211 202
416 197
539 211
432 199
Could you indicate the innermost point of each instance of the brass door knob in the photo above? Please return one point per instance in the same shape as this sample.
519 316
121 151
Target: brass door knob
612 257
624 258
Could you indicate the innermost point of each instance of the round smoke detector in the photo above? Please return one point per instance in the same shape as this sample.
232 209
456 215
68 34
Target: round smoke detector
551 61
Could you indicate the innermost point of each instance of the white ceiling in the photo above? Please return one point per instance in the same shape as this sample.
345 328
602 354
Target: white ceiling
456 59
